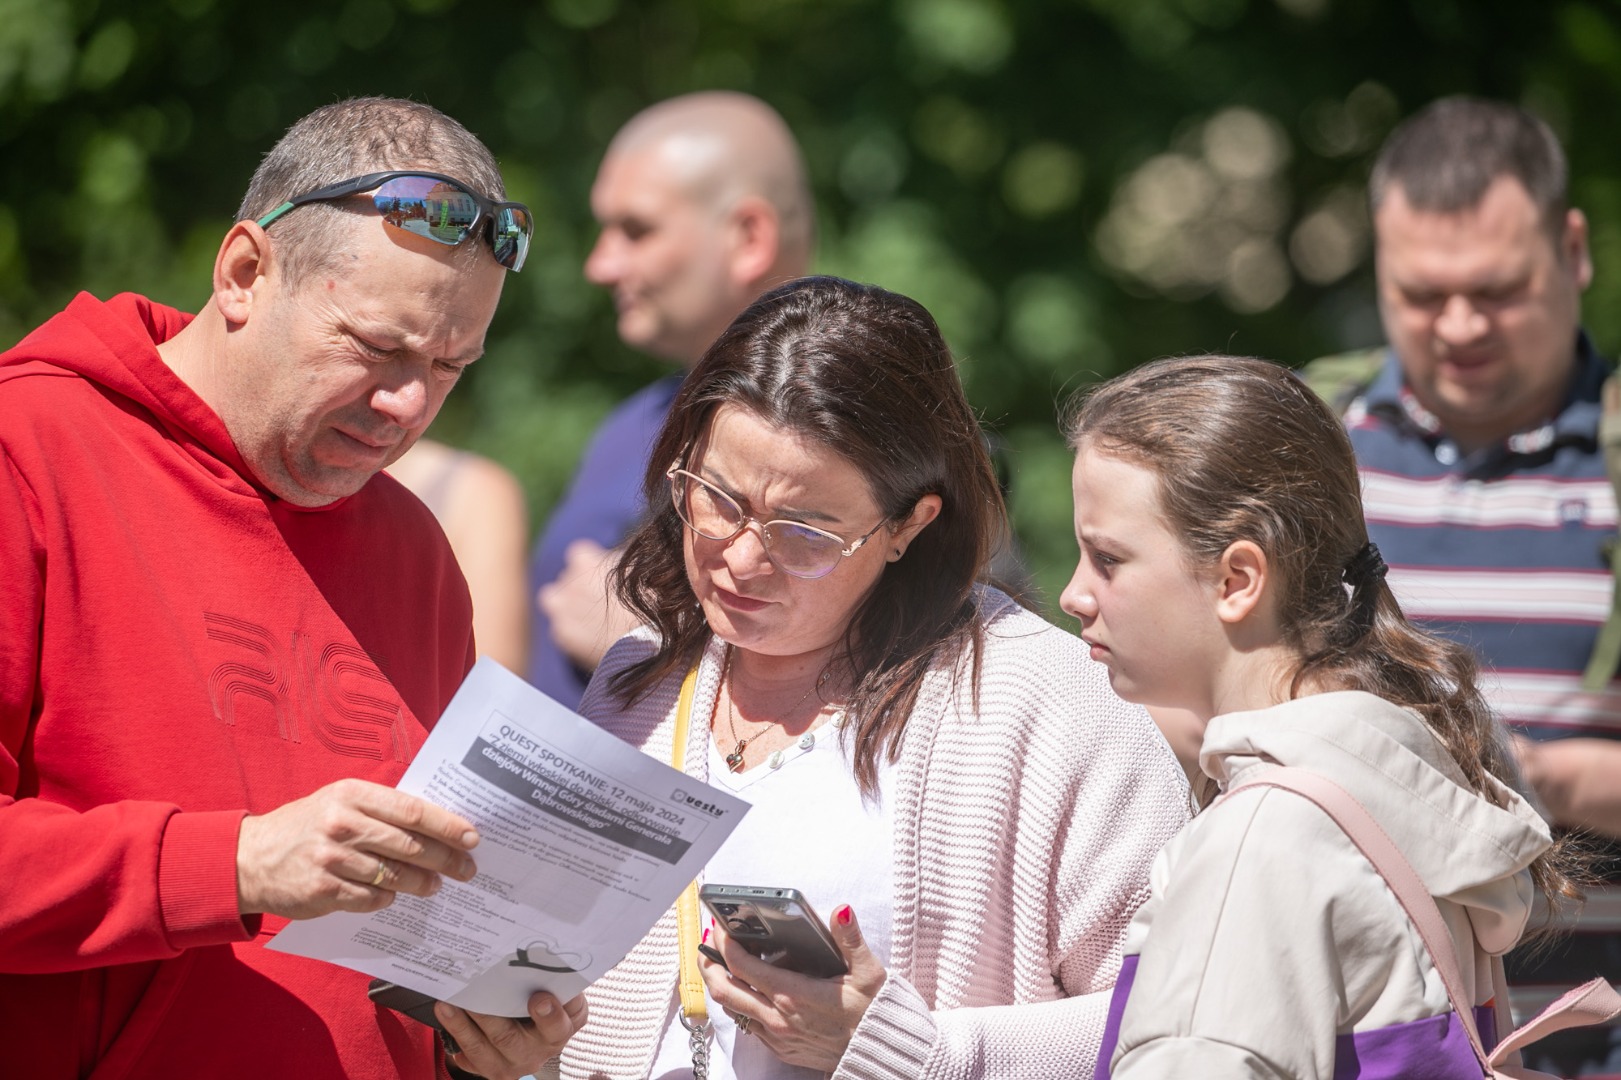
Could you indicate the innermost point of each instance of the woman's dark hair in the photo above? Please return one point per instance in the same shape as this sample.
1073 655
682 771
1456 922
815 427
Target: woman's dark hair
865 373
1245 451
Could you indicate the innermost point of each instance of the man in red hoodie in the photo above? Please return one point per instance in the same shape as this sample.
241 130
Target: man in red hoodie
224 632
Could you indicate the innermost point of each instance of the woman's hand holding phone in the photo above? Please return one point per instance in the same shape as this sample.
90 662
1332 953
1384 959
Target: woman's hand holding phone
711 953
776 924
803 1020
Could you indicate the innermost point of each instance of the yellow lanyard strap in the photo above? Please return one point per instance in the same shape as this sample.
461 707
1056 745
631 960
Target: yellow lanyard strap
694 1009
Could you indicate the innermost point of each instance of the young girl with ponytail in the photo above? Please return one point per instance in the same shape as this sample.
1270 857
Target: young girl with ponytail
1225 569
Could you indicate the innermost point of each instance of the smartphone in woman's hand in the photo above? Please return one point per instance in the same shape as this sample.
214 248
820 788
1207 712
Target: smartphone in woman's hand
777 925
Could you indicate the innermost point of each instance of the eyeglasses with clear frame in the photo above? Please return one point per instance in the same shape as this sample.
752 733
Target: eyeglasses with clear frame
795 548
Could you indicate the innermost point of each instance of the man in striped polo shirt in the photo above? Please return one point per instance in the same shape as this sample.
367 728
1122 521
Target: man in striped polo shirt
1484 481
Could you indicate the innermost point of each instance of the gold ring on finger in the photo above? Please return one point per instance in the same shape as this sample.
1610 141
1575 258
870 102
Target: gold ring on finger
382 872
743 1023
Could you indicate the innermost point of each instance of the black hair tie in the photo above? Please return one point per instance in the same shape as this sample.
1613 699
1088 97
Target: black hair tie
1366 567
1363 574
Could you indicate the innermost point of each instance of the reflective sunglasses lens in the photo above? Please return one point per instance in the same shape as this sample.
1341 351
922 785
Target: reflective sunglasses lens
509 236
802 551
428 207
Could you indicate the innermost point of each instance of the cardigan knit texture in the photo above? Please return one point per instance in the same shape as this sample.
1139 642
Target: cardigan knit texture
1025 827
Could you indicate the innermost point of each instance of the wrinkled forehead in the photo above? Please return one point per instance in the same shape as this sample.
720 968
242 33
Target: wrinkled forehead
734 425
424 288
737 439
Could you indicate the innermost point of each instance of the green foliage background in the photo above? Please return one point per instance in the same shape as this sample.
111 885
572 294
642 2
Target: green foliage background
1071 186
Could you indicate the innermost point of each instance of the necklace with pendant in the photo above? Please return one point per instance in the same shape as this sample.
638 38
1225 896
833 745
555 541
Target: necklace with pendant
734 760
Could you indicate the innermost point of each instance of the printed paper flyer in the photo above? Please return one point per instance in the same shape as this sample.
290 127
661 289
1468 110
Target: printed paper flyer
585 842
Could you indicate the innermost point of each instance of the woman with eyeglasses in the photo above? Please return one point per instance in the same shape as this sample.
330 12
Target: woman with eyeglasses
942 772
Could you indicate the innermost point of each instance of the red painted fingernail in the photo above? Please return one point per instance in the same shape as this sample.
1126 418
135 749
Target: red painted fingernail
843 915
706 936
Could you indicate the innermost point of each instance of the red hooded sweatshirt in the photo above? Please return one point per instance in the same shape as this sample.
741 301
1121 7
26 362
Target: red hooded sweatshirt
180 648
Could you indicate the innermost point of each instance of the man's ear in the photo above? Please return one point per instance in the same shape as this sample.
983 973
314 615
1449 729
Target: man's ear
1244 577
756 241
926 510
240 266
1574 247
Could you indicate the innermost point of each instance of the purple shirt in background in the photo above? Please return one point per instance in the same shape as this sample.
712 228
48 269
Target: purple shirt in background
603 503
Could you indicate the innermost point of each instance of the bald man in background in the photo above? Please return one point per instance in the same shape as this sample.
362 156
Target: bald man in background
704 204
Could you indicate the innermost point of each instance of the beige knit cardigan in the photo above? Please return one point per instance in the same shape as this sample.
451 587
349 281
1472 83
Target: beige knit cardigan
1024 833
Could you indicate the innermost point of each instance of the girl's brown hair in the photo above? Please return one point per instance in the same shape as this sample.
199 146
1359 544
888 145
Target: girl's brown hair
866 373
1245 451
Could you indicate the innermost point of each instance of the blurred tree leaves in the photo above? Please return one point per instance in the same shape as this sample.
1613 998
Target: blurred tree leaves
1071 186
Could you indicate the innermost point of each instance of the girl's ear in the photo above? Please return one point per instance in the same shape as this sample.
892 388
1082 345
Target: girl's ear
1243 580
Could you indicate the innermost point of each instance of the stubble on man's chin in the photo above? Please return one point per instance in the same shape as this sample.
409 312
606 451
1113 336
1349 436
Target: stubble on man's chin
314 490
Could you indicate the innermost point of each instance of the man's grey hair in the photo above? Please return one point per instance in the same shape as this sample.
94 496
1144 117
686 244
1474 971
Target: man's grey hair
1444 157
347 139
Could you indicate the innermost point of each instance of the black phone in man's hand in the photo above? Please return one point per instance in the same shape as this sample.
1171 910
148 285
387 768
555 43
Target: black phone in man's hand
413 1003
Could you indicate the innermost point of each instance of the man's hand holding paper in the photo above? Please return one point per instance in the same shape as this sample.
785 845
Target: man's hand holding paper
583 843
349 847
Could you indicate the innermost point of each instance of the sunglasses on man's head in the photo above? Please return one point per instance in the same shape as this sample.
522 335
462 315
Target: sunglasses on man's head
438 207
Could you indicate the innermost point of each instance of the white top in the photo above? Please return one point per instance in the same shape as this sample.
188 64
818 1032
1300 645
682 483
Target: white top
807 829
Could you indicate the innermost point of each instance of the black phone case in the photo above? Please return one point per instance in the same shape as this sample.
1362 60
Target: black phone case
413 1003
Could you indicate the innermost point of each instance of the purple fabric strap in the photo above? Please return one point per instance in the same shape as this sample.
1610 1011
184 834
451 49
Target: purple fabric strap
1434 1048
1117 1009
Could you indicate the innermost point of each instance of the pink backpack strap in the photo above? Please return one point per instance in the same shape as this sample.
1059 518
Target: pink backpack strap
1594 1002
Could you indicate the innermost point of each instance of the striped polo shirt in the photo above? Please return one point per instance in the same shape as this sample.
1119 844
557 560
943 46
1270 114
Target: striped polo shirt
1503 549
